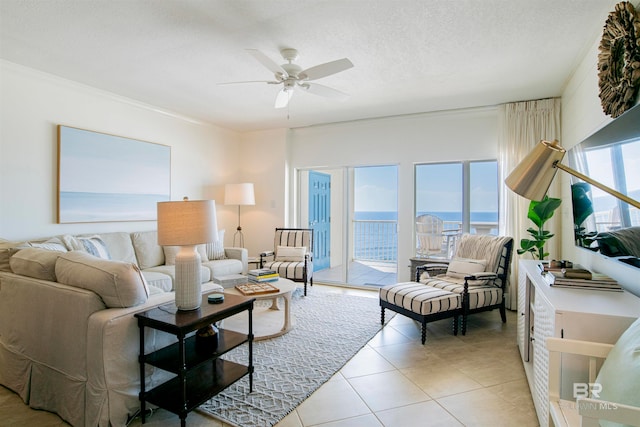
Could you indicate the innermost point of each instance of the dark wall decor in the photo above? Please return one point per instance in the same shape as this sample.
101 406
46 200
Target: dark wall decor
619 60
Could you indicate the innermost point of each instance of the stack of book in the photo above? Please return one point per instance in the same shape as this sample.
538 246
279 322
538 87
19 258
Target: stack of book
580 278
261 275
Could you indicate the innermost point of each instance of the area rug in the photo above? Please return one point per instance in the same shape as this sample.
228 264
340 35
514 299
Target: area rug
330 328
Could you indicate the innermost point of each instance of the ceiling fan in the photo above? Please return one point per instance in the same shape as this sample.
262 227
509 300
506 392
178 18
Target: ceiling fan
292 76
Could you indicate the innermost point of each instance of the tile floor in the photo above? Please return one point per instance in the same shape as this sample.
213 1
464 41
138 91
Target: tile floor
394 381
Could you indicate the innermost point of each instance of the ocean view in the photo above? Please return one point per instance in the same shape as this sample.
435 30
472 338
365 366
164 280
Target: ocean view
379 242
95 207
446 216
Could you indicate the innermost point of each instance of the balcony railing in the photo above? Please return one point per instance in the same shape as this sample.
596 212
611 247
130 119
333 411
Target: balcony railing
375 240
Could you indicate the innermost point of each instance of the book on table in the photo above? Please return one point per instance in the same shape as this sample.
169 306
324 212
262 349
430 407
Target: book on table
258 272
595 281
262 279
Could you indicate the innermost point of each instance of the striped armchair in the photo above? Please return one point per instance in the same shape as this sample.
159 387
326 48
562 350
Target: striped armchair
292 255
474 280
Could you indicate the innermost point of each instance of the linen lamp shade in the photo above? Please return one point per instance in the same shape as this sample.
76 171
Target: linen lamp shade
239 194
187 224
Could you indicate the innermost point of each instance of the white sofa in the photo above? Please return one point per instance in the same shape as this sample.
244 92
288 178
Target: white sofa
72 348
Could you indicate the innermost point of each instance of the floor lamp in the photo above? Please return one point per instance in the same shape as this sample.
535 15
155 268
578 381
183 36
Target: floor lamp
187 224
533 175
239 194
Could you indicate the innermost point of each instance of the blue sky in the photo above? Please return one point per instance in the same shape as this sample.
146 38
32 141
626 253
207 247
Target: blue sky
376 188
99 163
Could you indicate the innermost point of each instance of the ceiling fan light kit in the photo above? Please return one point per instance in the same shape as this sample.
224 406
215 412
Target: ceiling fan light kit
292 76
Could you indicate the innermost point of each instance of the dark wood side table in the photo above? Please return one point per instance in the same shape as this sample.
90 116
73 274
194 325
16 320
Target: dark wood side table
199 374
416 261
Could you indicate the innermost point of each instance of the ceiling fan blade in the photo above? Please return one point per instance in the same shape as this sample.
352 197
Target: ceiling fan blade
249 81
326 69
325 91
268 62
283 97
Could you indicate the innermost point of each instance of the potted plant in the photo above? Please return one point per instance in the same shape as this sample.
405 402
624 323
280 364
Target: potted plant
539 213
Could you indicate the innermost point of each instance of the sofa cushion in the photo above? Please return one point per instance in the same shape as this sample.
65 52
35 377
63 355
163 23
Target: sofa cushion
170 253
119 284
148 251
224 267
35 262
158 280
170 270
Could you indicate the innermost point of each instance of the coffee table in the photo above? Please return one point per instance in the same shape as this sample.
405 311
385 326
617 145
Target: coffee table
266 322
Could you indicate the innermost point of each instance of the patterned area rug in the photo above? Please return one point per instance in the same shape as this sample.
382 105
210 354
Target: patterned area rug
329 330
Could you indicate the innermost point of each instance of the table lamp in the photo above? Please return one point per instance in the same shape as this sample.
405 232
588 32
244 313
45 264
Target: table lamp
239 194
187 224
532 177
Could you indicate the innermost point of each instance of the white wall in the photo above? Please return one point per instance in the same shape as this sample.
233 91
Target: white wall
32 104
582 115
402 141
263 160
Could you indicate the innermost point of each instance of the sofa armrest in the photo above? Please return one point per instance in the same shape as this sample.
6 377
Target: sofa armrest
113 371
241 254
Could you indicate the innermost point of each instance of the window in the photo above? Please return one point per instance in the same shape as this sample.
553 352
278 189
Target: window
463 194
616 166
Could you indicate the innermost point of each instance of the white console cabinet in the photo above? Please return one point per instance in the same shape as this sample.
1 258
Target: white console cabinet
545 311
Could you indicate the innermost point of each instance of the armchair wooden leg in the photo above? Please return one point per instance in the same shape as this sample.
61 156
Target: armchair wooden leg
382 315
464 323
503 313
423 334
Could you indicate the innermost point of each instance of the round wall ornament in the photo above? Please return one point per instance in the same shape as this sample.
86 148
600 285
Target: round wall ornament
619 60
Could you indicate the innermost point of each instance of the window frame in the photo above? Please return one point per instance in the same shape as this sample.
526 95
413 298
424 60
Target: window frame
466 188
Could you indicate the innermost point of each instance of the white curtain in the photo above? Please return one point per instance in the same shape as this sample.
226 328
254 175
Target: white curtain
521 126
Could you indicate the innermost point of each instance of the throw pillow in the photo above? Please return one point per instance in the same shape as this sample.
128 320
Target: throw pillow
35 262
53 244
119 284
290 253
619 376
95 246
461 267
215 250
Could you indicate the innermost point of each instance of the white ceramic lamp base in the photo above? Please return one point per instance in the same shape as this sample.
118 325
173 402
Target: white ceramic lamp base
188 286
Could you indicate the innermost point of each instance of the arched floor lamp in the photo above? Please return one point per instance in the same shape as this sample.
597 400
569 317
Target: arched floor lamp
533 175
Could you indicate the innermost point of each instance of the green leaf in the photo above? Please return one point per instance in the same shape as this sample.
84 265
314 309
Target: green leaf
539 213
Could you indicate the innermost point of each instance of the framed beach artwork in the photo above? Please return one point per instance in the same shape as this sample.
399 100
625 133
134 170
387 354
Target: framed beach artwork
105 178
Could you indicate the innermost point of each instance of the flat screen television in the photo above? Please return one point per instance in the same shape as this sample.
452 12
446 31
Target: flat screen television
603 223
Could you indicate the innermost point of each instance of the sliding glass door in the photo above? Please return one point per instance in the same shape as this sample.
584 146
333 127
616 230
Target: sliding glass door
353 212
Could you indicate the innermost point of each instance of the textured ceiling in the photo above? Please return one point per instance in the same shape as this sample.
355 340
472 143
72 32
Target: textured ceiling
410 56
